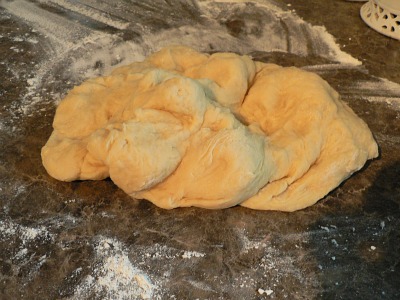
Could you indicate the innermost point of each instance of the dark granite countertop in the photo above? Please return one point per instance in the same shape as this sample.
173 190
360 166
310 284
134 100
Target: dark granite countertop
88 240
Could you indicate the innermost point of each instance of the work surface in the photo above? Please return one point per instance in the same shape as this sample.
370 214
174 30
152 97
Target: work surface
88 240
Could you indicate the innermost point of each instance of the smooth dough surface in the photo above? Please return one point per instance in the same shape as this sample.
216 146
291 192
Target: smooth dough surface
184 128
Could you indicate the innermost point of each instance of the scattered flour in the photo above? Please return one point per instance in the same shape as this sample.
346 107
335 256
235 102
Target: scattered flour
79 51
248 245
24 242
9 229
113 276
276 266
83 52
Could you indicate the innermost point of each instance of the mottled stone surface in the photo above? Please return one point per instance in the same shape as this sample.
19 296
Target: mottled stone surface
88 240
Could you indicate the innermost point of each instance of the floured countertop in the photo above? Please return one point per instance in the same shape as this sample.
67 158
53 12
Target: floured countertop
88 240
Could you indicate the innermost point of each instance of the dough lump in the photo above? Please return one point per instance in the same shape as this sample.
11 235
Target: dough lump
184 128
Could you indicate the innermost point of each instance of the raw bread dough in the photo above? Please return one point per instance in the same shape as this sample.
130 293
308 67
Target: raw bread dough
184 128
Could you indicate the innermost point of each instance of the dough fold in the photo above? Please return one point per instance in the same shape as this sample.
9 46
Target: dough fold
184 128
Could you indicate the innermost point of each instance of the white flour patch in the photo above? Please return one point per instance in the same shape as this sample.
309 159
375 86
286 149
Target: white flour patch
9 229
113 276
106 53
333 49
282 30
158 252
392 102
117 271
379 90
328 68
25 38
21 254
200 285
25 241
17 39
248 245
60 31
190 254
379 85
90 12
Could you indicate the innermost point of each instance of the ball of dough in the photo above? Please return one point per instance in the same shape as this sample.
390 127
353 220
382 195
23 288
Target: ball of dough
184 128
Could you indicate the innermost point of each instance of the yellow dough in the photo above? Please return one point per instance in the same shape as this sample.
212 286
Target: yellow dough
184 128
